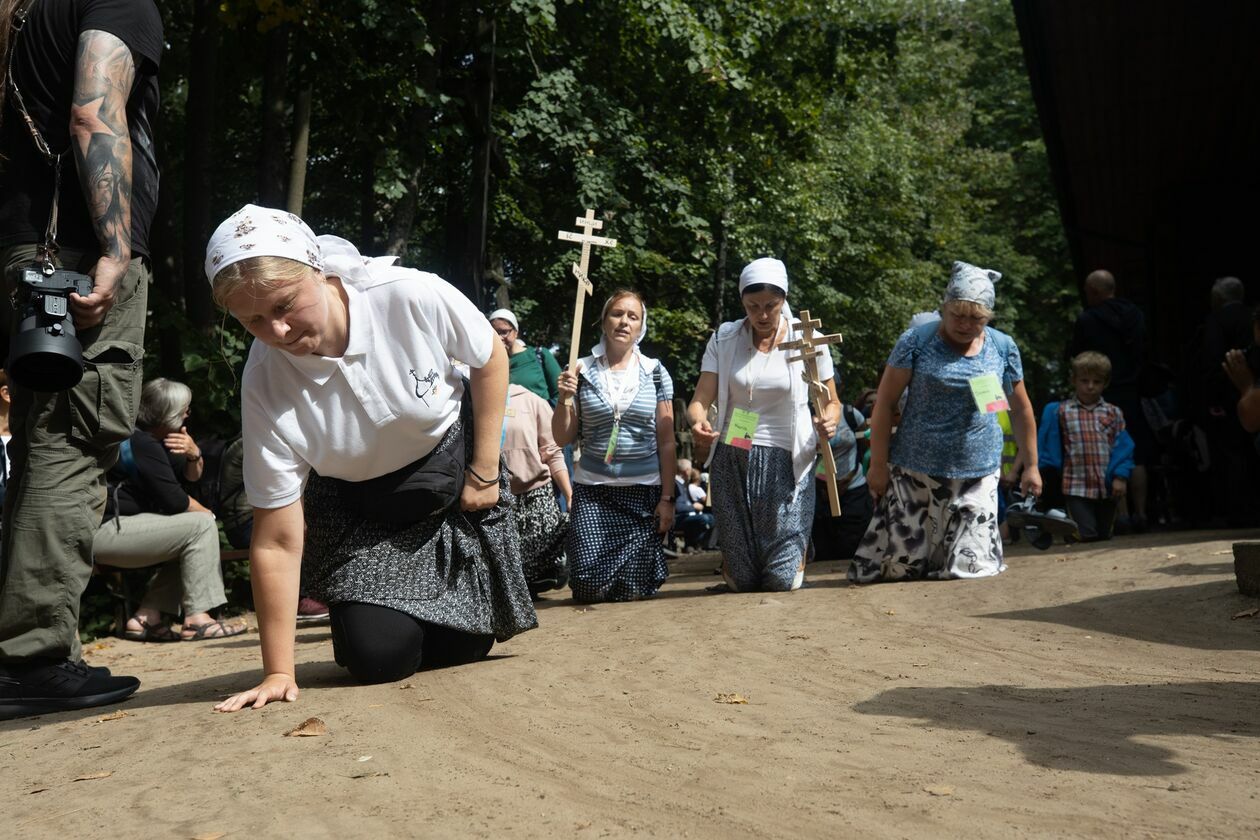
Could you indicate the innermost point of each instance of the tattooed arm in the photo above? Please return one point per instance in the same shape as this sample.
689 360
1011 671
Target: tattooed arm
99 137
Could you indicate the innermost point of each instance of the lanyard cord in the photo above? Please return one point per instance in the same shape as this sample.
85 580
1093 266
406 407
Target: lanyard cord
49 247
753 380
624 387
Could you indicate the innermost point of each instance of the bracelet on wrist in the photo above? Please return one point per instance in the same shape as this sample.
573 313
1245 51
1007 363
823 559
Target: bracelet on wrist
193 460
485 482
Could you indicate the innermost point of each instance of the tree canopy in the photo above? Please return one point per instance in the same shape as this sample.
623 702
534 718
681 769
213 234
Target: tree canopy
867 143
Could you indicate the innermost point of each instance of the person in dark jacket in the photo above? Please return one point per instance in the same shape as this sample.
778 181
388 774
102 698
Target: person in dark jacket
151 521
1116 327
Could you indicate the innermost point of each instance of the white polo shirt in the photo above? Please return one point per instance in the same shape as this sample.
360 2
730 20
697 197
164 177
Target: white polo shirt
384 404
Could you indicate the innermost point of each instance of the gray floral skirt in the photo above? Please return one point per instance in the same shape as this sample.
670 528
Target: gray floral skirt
460 570
542 528
932 528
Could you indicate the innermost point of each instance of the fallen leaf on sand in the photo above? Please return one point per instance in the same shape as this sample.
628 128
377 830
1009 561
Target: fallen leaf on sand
890 612
1219 553
90 777
37 790
210 835
369 775
939 790
731 699
308 728
364 758
405 686
1247 613
118 715
1170 556
798 636
581 825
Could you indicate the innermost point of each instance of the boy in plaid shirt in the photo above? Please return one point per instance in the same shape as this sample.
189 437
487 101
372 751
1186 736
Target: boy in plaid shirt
1085 436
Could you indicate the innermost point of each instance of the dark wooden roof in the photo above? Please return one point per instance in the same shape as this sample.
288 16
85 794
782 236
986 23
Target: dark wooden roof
1151 115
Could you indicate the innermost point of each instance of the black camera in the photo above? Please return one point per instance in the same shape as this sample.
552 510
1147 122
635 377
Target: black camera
45 354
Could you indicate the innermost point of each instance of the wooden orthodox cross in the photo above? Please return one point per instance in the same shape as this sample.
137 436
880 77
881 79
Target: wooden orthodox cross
588 223
811 345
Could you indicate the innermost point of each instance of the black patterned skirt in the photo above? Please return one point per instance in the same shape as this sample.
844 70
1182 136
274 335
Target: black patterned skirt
542 528
458 569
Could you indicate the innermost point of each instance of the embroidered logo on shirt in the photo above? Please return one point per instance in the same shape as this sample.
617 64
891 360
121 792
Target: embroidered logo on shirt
427 386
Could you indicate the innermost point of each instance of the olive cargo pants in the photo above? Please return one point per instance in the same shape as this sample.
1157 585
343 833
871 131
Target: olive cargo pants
63 443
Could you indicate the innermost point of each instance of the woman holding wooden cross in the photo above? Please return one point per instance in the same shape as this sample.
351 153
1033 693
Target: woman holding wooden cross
936 483
621 404
763 452
371 465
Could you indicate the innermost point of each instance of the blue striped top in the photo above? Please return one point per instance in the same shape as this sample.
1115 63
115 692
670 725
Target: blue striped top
634 461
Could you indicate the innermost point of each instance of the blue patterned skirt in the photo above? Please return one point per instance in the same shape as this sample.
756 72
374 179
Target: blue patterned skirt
763 516
614 550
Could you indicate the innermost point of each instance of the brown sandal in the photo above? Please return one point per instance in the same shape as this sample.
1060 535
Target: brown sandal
211 630
149 632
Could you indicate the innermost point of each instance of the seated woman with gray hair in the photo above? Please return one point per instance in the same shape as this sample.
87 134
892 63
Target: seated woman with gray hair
936 485
151 521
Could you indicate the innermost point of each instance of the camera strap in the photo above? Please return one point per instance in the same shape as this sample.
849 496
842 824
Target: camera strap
48 249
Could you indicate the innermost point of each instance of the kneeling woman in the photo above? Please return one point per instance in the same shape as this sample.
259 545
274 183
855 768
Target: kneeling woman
624 412
762 467
936 486
363 460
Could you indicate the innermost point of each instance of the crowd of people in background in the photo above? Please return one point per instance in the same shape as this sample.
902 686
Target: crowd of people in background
449 475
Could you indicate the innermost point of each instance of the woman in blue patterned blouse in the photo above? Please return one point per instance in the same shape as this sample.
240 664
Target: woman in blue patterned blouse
935 485
620 404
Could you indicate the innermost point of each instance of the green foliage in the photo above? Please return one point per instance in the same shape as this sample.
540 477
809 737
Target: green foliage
867 143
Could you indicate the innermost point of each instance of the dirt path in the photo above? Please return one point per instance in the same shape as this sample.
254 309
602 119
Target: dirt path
1084 693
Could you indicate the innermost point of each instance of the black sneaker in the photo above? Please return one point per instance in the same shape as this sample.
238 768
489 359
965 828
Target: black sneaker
44 687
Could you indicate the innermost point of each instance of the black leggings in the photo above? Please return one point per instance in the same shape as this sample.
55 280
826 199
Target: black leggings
378 644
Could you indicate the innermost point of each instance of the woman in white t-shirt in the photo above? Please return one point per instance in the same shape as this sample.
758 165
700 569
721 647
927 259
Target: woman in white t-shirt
366 467
763 452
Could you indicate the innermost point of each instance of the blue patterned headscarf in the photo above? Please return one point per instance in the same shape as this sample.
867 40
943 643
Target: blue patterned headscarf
972 283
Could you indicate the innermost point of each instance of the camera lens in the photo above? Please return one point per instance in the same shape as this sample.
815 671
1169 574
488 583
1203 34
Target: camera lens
43 361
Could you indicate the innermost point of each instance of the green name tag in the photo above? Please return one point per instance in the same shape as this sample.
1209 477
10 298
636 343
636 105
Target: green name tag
988 394
742 428
612 443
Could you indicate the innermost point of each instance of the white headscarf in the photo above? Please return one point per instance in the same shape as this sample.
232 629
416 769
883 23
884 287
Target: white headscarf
504 315
765 270
255 231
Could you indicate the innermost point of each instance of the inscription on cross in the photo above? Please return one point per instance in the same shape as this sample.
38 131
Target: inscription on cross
809 347
588 223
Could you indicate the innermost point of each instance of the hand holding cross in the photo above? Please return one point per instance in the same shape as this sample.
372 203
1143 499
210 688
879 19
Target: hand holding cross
810 346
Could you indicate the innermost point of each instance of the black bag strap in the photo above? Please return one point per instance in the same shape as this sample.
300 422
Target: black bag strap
49 248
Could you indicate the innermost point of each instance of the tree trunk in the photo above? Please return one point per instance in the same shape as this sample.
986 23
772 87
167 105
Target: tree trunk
719 269
168 291
198 183
301 142
483 152
273 153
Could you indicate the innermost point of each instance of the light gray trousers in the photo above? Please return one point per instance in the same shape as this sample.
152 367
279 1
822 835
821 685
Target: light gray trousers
185 544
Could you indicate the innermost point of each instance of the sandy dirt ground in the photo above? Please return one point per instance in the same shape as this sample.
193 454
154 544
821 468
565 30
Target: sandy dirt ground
1085 693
